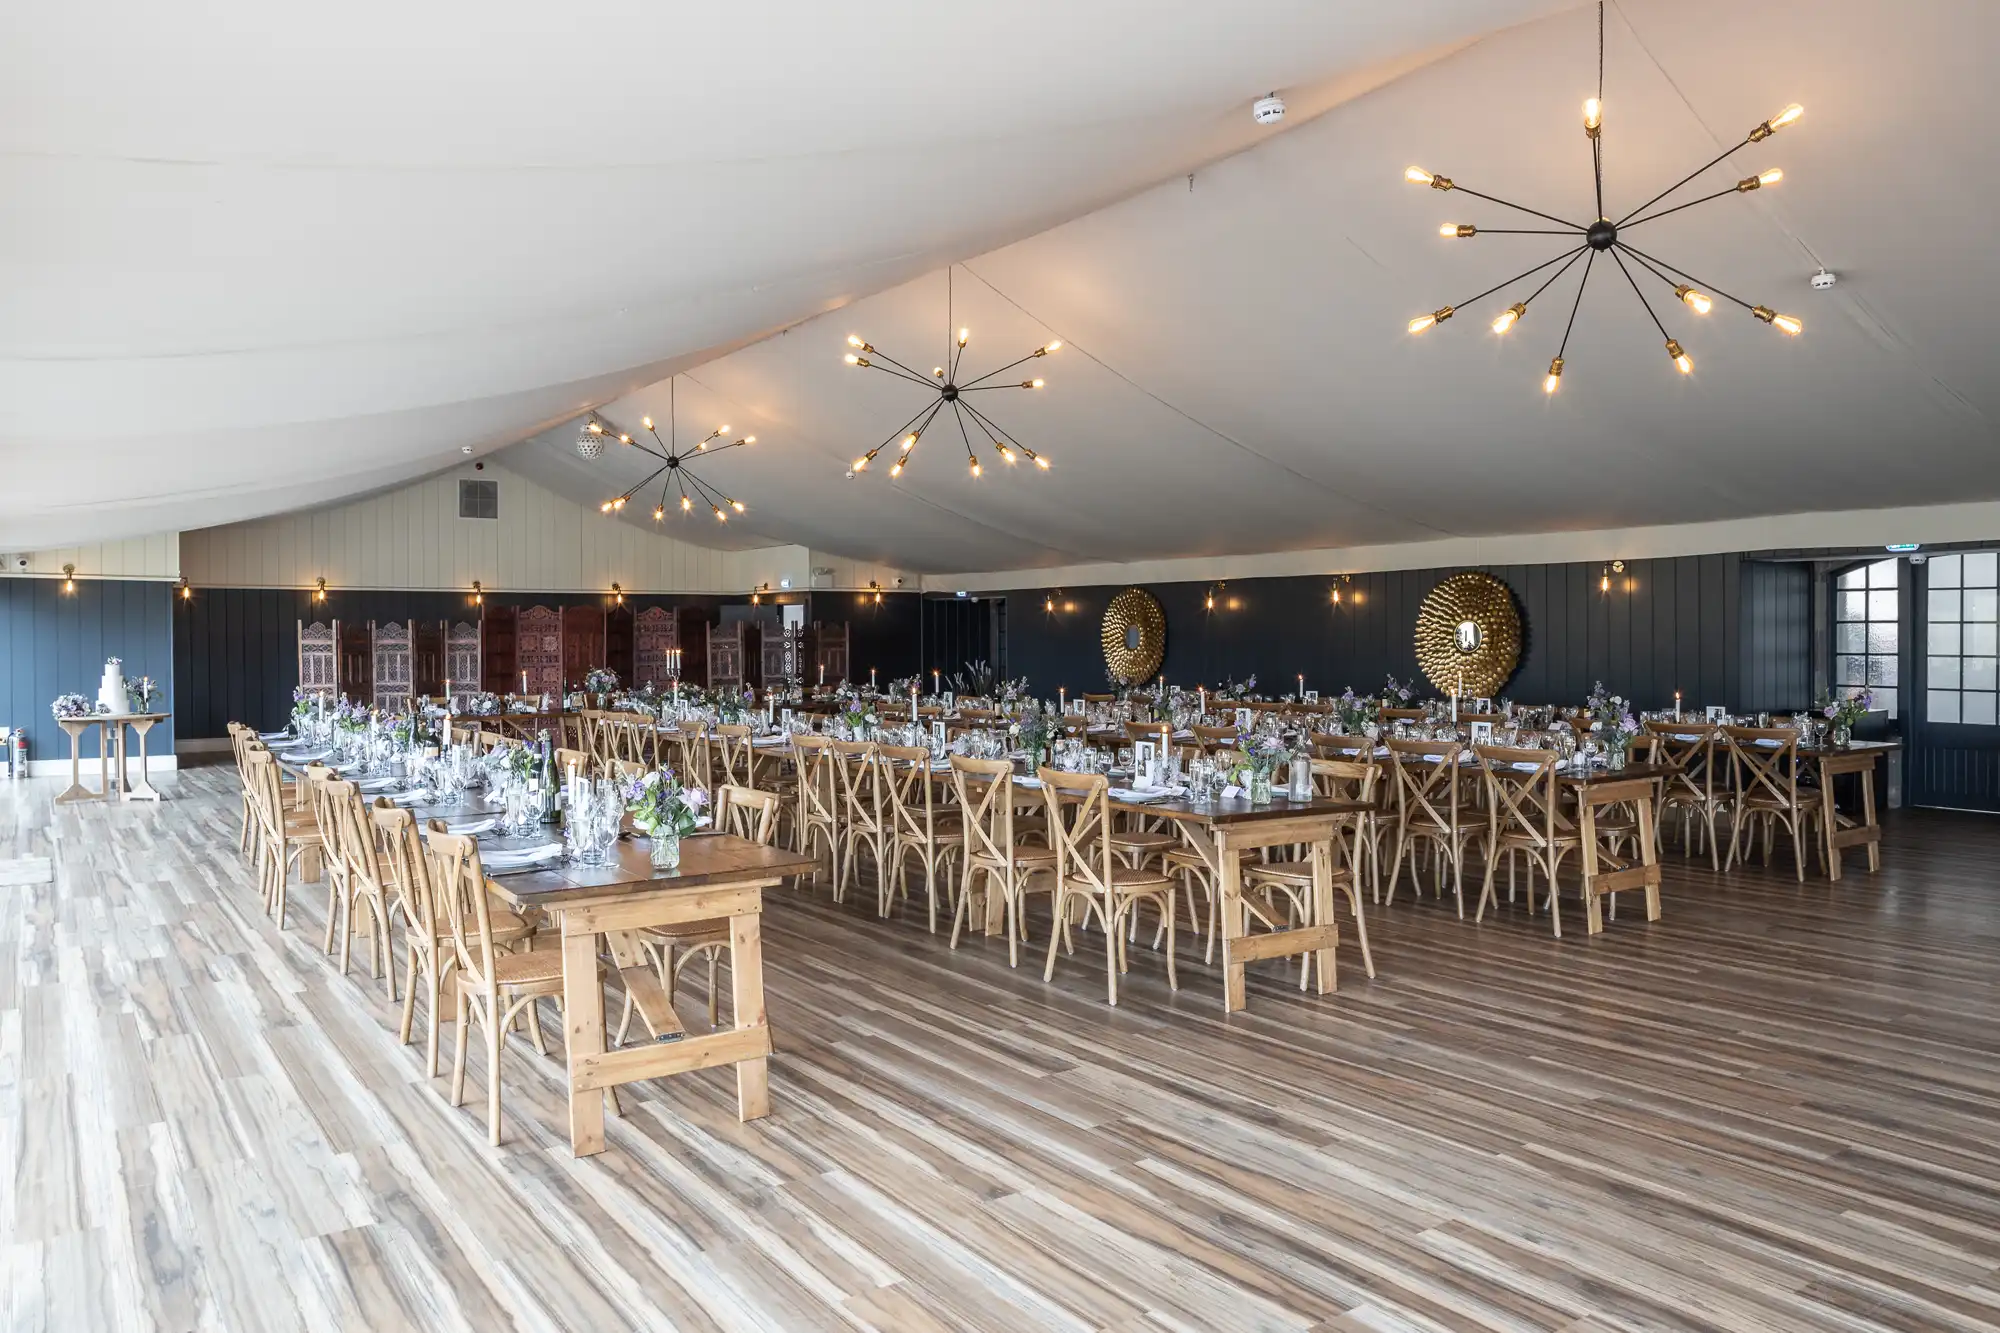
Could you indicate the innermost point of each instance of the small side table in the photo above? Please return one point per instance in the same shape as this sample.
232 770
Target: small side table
112 778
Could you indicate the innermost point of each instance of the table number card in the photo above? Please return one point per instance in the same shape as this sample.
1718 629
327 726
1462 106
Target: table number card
1482 733
1243 723
1717 713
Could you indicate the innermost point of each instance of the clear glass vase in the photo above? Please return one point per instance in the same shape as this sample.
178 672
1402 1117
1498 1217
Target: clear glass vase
1260 787
666 850
1843 736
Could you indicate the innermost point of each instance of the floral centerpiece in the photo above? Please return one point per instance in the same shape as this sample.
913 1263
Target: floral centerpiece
1033 734
600 680
303 702
1395 694
1257 757
1612 722
349 716
144 693
1844 713
1356 711
482 703
1234 690
665 811
72 705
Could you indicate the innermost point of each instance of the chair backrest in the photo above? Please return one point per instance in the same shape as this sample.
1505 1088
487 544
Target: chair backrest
906 778
1402 714
1079 826
985 789
1214 738
267 796
570 762
1763 762
732 741
1345 779
859 768
409 868
458 881
1161 734
819 788
697 754
1522 791
747 813
1687 750
1425 779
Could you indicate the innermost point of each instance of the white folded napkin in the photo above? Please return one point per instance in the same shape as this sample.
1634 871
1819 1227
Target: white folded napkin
771 742
1027 782
349 767
1524 767
375 784
304 756
409 797
284 735
521 858
1131 796
1769 744
465 824
1184 735
1679 736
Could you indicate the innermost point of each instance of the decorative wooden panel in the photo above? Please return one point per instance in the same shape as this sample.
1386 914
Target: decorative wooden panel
539 651
655 633
500 649
582 641
316 655
461 656
731 650
392 665
357 660
775 669
427 657
618 648
693 644
829 651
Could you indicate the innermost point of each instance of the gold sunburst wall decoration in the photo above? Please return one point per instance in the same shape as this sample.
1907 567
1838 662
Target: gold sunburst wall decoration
1469 635
1135 636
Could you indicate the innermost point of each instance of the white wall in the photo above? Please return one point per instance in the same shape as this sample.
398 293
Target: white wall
413 538
155 557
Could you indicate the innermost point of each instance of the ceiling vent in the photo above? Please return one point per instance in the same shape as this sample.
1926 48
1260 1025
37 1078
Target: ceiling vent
478 498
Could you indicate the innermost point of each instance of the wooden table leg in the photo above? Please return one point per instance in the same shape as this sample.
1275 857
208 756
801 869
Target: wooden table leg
1868 817
1649 856
76 791
1229 892
583 1015
106 745
1323 912
1829 821
142 790
1593 917
746 998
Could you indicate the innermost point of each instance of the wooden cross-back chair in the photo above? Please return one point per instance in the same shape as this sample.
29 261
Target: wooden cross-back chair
918 827
992 859
1429 809
735 763
1089 877
864 816
1289 883
1696 783
1212 739
1402 715
570 762
743 812
364 879
493 988
284 836
817 818
1524 817
697 751
1764 790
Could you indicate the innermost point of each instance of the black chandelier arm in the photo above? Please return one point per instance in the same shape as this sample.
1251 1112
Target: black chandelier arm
1574 255
994 428
1678 207
709 494
1520 231
874 360
1639 254
718 449
991 439
1641 295
1597 164
958 415
957 355
660 453
1581 284
988 388
922 426
1521 208
1684 180
1567 254
903 429
1002 370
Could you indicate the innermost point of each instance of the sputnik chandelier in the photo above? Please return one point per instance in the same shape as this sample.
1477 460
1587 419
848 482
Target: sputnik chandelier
949 392
675 463
1608 237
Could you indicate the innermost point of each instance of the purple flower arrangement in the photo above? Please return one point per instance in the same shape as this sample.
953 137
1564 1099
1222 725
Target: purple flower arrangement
72 705
659 804
1850 710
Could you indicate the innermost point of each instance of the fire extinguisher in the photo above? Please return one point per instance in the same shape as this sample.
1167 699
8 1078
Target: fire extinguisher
17 752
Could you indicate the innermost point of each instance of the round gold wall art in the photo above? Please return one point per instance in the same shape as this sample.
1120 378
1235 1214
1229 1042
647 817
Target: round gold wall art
1469 635
1135 636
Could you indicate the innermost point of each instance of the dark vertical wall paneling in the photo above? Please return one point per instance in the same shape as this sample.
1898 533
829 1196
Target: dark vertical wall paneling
54 643
1665 625
884 637
1776 643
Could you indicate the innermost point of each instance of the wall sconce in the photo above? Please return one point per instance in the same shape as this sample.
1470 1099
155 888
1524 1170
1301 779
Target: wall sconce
757 593
617 594
187 593
1340 581
1604 579
69 578
1049 602
478 594
875 588
319 590
1208 599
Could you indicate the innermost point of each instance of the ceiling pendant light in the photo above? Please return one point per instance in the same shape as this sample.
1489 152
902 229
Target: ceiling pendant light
944 382
676 463
1608 237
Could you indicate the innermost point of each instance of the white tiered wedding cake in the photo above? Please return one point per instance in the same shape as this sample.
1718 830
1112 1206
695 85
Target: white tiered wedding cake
111 695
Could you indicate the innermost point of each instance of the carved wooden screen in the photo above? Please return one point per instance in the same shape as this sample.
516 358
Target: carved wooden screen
499 649
392 665
726 656
316 657
582 641
830 652
618 653
357 661
538 651
654 636
461 657
693 644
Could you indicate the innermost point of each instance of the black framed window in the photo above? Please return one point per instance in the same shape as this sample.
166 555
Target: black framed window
1961 638
1865 637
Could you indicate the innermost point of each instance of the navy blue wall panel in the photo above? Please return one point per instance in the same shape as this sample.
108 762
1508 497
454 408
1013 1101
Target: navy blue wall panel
52 642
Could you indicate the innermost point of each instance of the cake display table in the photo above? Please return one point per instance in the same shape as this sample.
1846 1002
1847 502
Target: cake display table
112 777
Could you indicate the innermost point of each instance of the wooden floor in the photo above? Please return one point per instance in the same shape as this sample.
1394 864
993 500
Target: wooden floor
1775 1109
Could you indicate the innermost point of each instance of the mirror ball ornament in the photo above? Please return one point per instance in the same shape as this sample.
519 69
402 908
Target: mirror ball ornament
589 444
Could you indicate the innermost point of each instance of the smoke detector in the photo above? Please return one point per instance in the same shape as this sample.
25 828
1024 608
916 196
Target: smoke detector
1268 110
1823 281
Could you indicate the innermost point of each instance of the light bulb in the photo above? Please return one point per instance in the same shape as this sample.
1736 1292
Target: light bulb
596 428
646 422
853 340
1696 301
909 443
687 504
624 439
1788 324
749 439
1417 176
963 335
1458 229
1681 361
1055 346
1438 316
937 372
720 517
1041 462
1035 384
1006 453
1776 123
1555 376
1509 317
1593 116
897 470
975 466
619 503
861 463
721 430
851 359
737 505
658 513
604 508
1770 175
1604 583
701 446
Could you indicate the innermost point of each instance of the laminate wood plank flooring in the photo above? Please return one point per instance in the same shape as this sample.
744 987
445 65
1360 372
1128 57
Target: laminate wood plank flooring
1772 1110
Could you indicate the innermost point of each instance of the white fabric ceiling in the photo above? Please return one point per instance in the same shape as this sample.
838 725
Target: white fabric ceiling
258 262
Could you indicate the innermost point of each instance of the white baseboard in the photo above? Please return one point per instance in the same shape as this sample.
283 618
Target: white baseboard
59 768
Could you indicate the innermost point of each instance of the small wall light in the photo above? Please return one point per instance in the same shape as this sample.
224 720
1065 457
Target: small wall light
69 578
319 589
478 594
618 594
187 593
